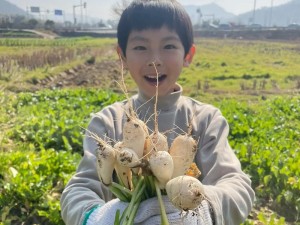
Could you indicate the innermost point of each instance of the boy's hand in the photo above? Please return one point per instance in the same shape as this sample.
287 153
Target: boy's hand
150 208
106 214
149 213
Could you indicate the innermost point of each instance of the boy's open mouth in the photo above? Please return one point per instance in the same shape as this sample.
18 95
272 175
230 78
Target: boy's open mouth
153 79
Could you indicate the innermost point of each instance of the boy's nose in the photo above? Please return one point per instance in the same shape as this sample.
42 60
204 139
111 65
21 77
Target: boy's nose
154 63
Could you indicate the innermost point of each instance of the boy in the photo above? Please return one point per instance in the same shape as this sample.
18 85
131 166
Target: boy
157 34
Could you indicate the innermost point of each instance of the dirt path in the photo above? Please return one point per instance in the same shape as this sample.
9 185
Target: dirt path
43 34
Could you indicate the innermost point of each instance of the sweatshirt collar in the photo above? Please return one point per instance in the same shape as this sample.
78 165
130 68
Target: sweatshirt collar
164 102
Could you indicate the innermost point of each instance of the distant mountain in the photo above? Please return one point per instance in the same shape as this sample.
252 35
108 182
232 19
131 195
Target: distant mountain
281 15
6 8
207 12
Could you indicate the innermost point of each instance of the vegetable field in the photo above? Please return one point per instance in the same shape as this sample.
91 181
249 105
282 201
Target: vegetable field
256 85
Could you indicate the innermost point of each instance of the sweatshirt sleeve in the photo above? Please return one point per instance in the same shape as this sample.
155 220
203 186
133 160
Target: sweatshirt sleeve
84 191
226 186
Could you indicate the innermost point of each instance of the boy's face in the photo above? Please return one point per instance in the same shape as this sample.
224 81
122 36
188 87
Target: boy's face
162 47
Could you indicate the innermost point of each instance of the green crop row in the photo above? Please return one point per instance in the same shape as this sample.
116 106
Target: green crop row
55 119
31 183
65 42
266 138
40 147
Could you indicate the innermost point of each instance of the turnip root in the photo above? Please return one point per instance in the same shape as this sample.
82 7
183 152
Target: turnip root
106 157
157 142
128 157
183 150
185 192
135 130
135 133
161 165
160 161
124 173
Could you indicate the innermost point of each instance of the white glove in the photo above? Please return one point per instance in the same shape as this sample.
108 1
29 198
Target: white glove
106 214
150 209
149 213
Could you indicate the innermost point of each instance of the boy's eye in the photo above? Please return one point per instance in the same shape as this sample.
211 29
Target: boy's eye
139 48
170 46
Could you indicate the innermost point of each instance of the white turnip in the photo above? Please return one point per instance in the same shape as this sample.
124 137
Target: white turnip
161 165
185 192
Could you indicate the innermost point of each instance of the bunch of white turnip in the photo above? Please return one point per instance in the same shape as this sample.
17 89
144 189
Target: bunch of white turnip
147 167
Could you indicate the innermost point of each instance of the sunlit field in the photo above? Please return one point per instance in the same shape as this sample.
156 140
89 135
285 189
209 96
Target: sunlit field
256 84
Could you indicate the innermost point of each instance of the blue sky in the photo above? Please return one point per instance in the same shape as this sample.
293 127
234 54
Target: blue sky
102 8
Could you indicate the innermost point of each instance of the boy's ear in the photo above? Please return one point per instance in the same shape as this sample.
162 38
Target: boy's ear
189 57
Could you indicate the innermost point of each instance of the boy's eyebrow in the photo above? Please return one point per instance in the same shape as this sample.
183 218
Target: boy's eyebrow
141 38
171 38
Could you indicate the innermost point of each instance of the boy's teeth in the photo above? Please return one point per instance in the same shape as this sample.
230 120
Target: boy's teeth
153 77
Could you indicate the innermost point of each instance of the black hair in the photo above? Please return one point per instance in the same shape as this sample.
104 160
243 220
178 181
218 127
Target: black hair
153 14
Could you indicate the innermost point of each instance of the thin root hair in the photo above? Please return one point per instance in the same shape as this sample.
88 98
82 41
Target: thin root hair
190 125
179 128
124 89
95 137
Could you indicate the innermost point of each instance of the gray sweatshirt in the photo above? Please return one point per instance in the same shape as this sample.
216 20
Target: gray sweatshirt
227 188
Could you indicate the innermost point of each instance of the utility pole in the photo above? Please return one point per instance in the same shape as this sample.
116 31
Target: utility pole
84 6
81 5
74 15
199 17
271 13
27 12
253 15
81 14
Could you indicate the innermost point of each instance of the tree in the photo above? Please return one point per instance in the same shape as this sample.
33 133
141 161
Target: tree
19 22
49 25
5 22
119 7
32 23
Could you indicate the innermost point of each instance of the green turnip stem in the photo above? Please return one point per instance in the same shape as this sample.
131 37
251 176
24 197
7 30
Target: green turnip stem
163 214
117 218
120 192
135 200
150 187
152 180
136 205
122 188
